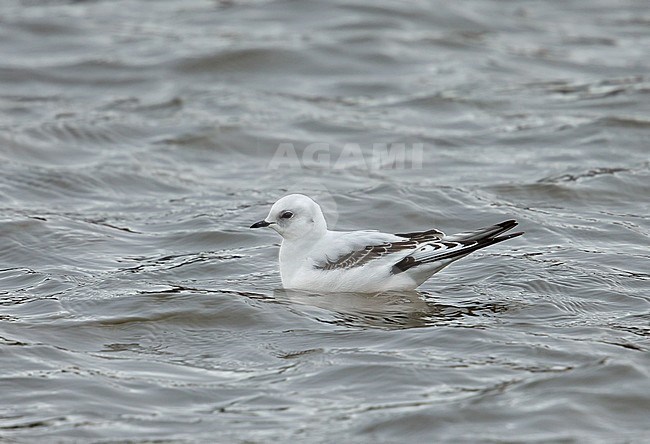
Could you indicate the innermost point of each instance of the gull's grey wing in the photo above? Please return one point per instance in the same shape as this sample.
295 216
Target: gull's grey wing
363 253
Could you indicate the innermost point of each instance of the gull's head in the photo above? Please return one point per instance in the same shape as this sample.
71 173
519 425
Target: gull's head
295 216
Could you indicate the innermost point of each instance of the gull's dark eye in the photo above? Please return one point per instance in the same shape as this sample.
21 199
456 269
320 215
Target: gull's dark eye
286 215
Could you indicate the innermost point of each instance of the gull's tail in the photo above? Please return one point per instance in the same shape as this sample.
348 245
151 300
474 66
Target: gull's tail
451 248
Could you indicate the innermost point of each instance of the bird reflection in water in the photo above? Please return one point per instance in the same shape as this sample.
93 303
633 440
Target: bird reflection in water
389 310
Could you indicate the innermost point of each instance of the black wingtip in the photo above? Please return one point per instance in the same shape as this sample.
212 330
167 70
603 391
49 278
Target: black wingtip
410 262
506 237
508 224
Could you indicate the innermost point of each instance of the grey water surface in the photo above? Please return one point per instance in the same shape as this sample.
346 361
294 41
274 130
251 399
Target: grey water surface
140 139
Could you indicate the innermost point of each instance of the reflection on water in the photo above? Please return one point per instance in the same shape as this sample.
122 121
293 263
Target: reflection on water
390 310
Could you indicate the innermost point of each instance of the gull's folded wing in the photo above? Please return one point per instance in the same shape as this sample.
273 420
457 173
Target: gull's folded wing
453 247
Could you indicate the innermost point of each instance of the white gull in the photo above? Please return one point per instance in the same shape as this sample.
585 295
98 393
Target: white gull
317 259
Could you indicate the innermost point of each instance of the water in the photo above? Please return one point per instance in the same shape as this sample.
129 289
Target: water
139 140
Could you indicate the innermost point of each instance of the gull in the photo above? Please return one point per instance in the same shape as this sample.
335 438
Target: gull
314 258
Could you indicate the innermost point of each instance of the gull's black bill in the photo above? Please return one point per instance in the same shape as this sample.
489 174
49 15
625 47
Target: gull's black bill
261 224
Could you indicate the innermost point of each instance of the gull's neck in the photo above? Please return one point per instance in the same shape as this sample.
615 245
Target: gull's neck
296 248
319 229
